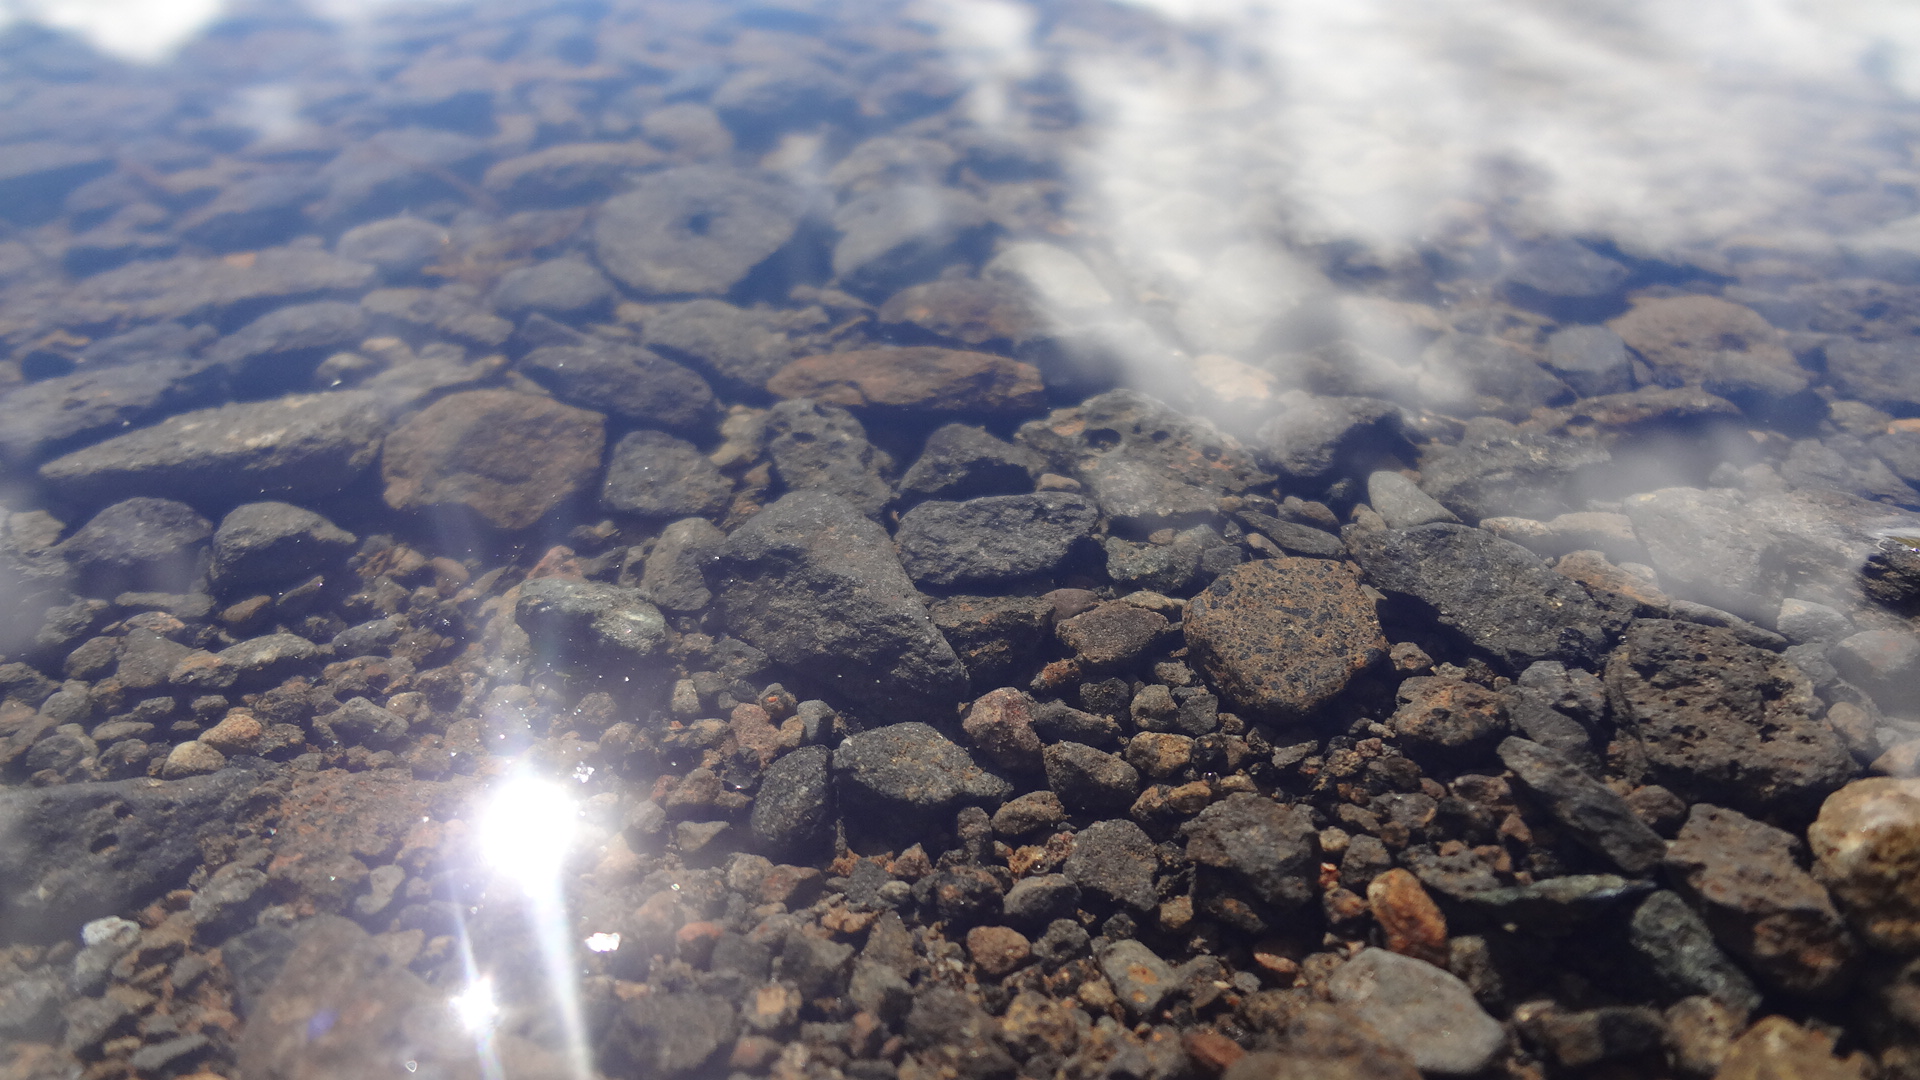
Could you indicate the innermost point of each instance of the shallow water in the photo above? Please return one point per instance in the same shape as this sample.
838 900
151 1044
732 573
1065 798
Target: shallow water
957 538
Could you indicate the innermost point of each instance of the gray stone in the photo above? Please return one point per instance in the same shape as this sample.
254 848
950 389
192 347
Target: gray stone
1140 979
1116 860
1314 439
1040 899
589 621
52 416
621 380
312 445
1420 1010
268 542
400 247
1885 374
1401 504
994 540
1591 359
1495 592
962 462
818 588
139 544
818 447
902 233
652 474
1678 948
1090 779
910 772
1497 469
675 574
360 722
740 349
1590 810
1273 849
793 810
559 287
698 229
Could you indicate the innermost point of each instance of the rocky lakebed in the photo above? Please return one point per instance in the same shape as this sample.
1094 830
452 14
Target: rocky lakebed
654 540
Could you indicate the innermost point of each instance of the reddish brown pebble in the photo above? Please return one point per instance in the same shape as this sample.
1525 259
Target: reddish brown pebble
997 950
1211 1050
1343 905
1413 924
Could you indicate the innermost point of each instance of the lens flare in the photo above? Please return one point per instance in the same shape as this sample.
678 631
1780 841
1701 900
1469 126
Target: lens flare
475 1006
526 829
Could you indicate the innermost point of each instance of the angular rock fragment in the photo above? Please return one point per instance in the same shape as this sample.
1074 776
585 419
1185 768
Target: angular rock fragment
1281 637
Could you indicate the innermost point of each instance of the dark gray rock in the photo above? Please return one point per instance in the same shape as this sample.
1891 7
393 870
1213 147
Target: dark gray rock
1293 537
1723 721
1842 463
817 587
1090 779
905 776
370 638
1116 860
1590 810
251 213
624 381
1552 905
253 664
653 474
562 288
1313 440
1591 359
78 852
994 540
963 462
1566 279
1113 636
1042 898
1195 557
1884 374
360 722
764 99
268 542
793 810
1496 469
1401 504
1678 948
675 577
1273 849
698 229
1282 667
229 900
1495 592
900 234
311 445
1560 709
586 621
55 415
993 636
400 247
280 349
1143 462
1590 1036
818 447
740 349
140 544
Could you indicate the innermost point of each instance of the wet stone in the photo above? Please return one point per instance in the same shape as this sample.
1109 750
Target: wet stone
1691 694
1591 811
901 233
1497 469
1141 980
740 348
994 540
311 445
1115 860
279 349
792 811
1420 1010
1087 778
816 586
1272 848
653 474
1713 344
1284 667
993 635
1591 359
1676 945
587 621
263 543
675 574
693 230
623 381
139 544
1447 716
1112 635
1761 905
1313 440
562 288
1495 592
818 447
1401 503
1866 849
1880 373
962 462
400 247
509 457
912 772
53 416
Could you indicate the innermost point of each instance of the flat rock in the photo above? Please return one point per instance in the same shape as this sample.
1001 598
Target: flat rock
78 852
589 620
966 310
818 447
139 544
1312 439
739 348
1762 906
1419 1009
917 378
52 416
1595 815
569 173
562 288
1497 469
310 445
1142 461
507 456
1723 721
1113 635
994 540
1715 344
620 380
1678 948
793 810
963 462
1139 978
1087 778
268 542
1497 594
191 286
913 772
1281 637
816 585
1885 374
697 229
901 233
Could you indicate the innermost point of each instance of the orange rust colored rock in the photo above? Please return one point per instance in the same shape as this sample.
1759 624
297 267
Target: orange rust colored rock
914 377
1413 924
997 950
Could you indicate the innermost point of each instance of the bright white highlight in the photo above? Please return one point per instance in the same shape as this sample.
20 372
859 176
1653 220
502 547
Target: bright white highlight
603 942
526 829
141 30
475 1006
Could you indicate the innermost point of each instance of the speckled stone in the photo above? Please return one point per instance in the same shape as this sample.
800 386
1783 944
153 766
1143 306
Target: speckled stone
1281 637
1866 849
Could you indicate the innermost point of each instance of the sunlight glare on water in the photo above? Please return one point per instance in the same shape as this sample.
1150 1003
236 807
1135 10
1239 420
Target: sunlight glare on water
526 830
